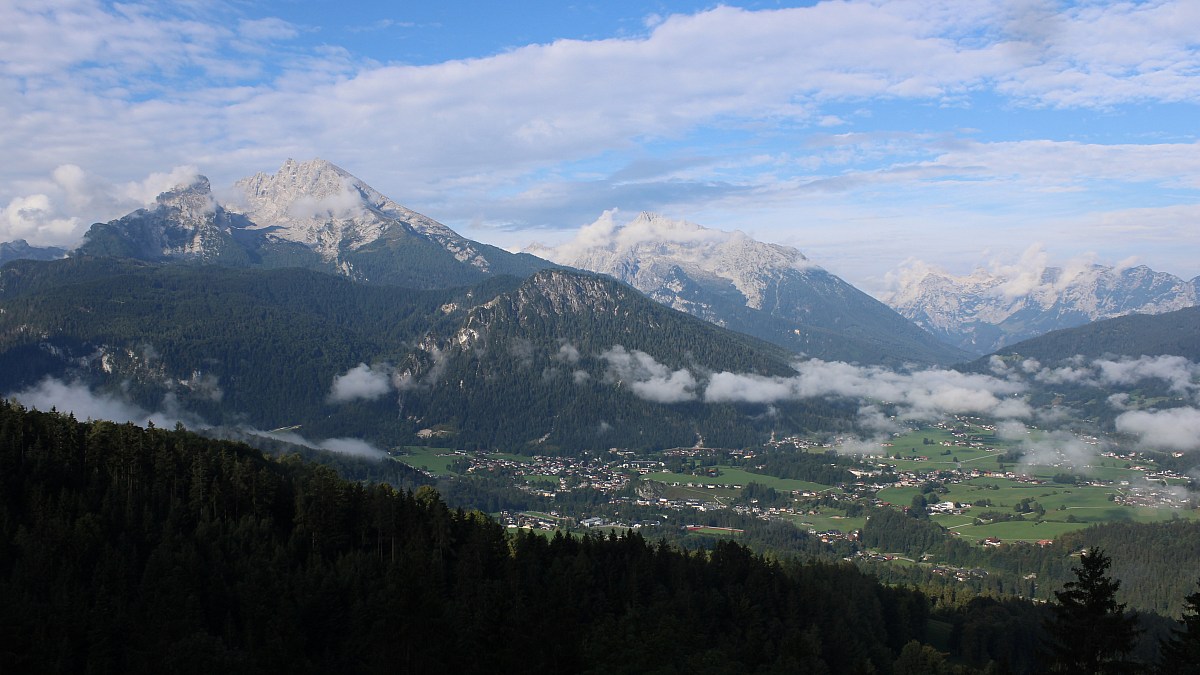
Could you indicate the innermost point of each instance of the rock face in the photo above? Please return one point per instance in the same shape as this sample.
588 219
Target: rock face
308 214
982 312
770 291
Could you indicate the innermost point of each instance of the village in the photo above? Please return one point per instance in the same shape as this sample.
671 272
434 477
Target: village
690 488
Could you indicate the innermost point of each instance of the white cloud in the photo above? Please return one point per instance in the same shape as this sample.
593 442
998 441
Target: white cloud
1181 374
131 87
361 382
647 378
1173 429
70 200
347 446
923 394
79 399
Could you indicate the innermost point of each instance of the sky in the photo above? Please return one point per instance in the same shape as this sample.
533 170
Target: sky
867 134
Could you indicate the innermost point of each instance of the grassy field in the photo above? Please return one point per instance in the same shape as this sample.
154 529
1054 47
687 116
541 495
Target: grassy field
736 476
719 495
434 460
828 519
438 460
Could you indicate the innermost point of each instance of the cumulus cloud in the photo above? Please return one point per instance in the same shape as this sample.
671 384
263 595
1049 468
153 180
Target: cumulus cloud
67 202
361 382
132 86
1172 429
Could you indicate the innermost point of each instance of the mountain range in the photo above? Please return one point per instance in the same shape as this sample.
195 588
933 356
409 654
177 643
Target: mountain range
314 303
985 311
770 291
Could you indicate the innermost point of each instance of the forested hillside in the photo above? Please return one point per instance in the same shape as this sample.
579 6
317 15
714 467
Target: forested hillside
552 363
1173 333
125 550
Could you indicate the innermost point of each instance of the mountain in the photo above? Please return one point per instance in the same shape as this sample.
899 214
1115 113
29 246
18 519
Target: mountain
560 362
766 290
985 311
1098 372
1174 333
21 250
311 214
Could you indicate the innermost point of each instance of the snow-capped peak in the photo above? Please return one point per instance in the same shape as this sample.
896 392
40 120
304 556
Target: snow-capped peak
644 251
322 205
1008 302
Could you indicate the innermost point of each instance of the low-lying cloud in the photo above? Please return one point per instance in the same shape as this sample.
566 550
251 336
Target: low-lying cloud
355 447
924 394
361 382
920 395
1181 375
79 400
1172 429
1048 448
647 378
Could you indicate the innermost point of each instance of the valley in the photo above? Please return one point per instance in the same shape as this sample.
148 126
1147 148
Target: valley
957 476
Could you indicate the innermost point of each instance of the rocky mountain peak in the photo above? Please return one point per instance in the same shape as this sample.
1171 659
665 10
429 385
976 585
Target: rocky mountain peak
768 290
990 308
192 204
650 250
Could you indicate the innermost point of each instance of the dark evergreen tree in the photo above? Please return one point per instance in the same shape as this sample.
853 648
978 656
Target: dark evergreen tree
1090 632
1181 654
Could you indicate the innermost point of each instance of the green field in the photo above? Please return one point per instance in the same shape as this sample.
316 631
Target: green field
718 495
828 519
736 476
434 460
438 460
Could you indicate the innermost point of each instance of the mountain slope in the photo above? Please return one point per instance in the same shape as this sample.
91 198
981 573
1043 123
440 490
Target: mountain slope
985 311
1172 333
312 215
770 291
563 361
21 250
1113 370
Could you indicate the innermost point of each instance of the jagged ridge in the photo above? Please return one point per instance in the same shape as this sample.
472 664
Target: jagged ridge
984 311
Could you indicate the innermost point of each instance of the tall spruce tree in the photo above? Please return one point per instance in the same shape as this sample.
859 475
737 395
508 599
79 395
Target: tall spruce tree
1090 632
1181 653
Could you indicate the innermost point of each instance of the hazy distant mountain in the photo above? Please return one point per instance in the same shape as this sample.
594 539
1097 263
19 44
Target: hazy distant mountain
766 290
985 311
311 214
21 250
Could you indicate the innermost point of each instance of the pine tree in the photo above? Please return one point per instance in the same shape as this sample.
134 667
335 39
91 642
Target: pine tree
1181 653
1090 632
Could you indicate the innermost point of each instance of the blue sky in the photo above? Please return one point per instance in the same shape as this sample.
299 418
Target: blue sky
867 134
